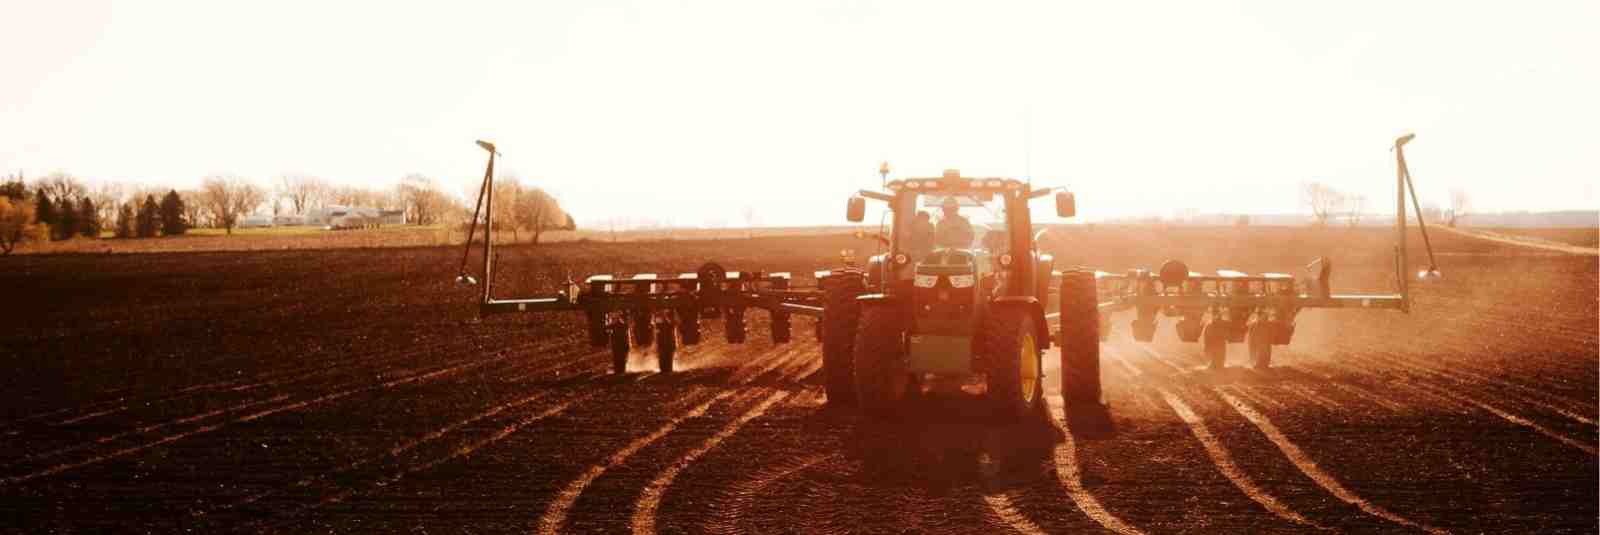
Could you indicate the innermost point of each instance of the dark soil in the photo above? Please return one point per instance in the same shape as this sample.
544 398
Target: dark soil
356 391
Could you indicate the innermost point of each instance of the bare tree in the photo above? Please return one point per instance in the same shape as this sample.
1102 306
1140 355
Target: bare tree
421 199
195 209
16 224
1323 201
60 185
1356 205
228 197
107 196
1460 204
362 197
538 211
507 191
303 192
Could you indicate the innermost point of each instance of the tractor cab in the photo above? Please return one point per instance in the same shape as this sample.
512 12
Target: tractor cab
959 293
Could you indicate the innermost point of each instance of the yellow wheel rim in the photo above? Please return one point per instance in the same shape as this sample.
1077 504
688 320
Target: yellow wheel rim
1029 367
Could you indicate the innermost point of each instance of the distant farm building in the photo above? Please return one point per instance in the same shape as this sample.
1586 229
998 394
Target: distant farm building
289 220
253 221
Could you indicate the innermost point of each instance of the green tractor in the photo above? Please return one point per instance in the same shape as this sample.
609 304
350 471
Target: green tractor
961 293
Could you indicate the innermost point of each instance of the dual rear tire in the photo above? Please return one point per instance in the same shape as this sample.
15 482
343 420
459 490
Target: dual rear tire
841 315
1080 339
879 360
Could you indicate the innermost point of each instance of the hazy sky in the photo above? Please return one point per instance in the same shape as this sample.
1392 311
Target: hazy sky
689 111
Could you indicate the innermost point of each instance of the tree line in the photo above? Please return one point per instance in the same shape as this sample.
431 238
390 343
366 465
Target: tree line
1327 203
60 206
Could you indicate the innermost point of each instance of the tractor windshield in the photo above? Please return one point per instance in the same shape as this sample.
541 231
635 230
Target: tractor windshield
964 220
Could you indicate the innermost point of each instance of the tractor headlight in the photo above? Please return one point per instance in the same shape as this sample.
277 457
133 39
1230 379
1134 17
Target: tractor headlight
963 281
925 281
1005 260
901 259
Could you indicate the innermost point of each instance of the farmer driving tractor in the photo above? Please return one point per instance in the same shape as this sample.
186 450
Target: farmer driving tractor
953 230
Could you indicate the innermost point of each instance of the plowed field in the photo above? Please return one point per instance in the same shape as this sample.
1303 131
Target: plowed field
354 391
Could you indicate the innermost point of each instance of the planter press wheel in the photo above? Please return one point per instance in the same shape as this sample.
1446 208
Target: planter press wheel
710 275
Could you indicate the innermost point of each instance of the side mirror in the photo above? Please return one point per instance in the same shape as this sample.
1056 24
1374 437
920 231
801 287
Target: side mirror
1066 205
856 211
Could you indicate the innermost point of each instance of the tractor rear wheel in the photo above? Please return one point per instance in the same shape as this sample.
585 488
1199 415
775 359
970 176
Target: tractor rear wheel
881 374
1080 339
1215 343
1260 340
1015 370
619 348
666 345
837 329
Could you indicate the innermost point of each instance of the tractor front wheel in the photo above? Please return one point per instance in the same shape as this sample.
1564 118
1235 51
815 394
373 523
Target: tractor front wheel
881 377
1016 373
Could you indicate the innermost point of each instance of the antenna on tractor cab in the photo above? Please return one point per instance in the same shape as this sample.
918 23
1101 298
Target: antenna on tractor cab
1027 145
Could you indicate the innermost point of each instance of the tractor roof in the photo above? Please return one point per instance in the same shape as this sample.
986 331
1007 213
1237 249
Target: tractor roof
953 181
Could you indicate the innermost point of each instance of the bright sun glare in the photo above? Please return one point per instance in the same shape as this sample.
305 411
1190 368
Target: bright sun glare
688 114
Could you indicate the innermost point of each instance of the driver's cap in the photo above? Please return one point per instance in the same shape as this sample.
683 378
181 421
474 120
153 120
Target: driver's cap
950 202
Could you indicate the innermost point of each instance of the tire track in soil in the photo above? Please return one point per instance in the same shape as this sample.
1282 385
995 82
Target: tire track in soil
265 379
162 396
150 428
1467 370
1003 503
1263 396
1070 474
1309 467
457 452
1312 397
728 513
1004 507
1461 403
420 377
396 489
644 509
1463 377
426 438
556 513
1371 397
1507 416
1221 458
1224 462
